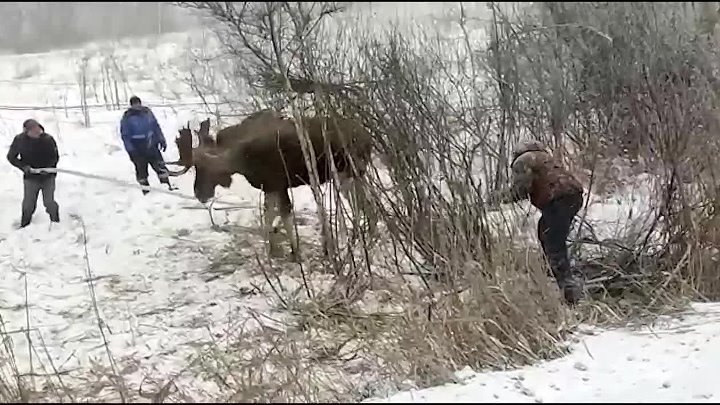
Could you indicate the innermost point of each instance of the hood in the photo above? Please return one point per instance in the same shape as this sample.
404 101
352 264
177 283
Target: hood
529 146
138 109
30 122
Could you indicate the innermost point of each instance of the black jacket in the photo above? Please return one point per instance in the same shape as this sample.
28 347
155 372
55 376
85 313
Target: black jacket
34 152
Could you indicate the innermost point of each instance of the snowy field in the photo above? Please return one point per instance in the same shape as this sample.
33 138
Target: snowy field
671 361
158 303
147 256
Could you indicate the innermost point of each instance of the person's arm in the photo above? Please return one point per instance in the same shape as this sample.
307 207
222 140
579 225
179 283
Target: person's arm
522 177
54 154
13 153
125 136
156 129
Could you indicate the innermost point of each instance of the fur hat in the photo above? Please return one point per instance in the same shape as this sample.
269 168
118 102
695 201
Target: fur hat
532 145
29 123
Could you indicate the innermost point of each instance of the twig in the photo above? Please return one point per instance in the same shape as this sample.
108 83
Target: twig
27 328
272 286
56 373
100 322
210 212
21 330
55 370
237 207
7 344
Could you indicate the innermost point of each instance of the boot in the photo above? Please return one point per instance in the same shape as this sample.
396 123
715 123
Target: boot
144 183
167 183
572 290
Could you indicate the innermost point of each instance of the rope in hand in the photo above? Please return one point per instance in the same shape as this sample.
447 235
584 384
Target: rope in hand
136 186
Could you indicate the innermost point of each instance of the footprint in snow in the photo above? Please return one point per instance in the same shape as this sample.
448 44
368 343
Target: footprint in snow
702 396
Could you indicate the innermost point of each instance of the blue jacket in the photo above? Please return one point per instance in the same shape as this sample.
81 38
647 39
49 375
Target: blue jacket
140 130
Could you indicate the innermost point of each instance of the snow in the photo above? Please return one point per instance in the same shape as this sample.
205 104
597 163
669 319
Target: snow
671 362
148 257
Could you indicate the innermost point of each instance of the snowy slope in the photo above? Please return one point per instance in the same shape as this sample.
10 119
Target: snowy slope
147 255
148 259
674 361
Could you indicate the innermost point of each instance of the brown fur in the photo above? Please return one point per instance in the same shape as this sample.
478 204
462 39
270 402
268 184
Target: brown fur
548 180
265 149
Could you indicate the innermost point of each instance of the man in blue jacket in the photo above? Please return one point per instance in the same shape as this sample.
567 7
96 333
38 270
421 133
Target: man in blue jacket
144 141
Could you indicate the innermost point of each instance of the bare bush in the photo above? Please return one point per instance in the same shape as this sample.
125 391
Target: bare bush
450 283
457 285
633 80
82 80
12 388
113 79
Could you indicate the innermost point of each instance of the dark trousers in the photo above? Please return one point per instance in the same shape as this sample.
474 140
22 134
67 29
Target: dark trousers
33 186
152 158
553 230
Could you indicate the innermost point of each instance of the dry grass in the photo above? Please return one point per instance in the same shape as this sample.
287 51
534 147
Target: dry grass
444 288
445 284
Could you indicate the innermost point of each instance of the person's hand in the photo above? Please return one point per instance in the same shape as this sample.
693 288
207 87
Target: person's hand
27 169
492 203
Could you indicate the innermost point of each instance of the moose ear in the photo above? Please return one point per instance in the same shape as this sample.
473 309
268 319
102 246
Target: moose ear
184 145
205 127
204 133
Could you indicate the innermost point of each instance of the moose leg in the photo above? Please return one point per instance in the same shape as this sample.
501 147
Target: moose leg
353 191
271 212
347 189
288 219
278 208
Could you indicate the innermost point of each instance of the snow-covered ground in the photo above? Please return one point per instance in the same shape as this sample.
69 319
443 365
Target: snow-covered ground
674 360
148 256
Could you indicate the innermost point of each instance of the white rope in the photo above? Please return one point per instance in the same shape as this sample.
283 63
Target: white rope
133 185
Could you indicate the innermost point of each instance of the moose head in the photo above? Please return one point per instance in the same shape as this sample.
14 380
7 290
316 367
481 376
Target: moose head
208 159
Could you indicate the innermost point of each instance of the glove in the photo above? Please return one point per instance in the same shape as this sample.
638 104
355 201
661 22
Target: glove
493 201
163 146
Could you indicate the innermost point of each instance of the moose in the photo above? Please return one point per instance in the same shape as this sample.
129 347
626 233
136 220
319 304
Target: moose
266 150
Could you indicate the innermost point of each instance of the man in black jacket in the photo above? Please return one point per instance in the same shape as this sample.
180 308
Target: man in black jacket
30 150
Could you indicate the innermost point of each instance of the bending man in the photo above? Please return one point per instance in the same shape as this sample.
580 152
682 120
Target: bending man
558 195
